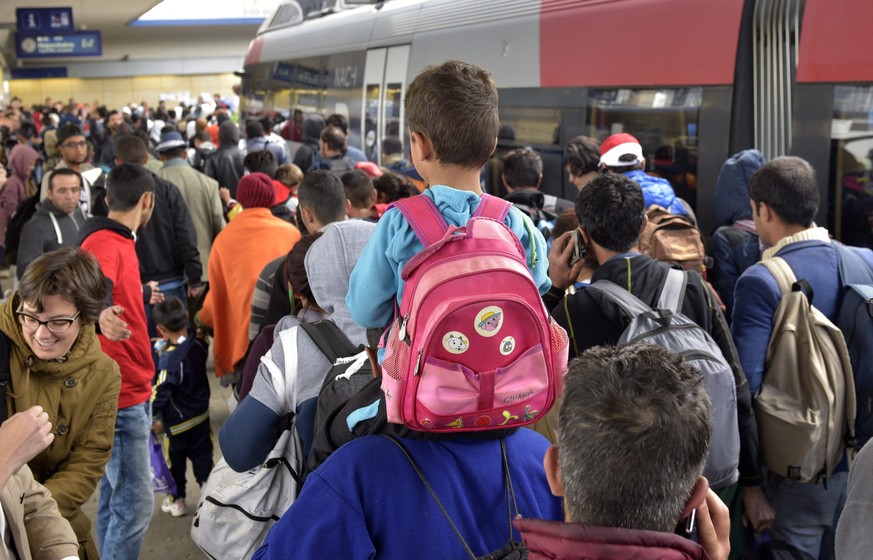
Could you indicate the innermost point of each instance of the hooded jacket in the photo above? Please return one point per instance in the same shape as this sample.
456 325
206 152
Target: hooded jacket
47 230
554 540
735 245
113 246
15 190
249 433
307 154
732 187
80 396
226 164
657 191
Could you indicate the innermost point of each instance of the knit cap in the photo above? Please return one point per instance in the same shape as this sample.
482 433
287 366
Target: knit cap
255 190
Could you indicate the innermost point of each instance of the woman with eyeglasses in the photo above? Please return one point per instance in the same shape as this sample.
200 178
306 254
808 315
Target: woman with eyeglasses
55 361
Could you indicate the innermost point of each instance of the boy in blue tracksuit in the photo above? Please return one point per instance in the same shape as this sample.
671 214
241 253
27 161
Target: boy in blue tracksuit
180 402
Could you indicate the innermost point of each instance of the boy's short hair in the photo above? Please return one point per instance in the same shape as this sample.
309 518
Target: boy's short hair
522 167
455 105
130 148
126 184
393 187
582 155
170 314
612 210
359 188
289 174
788 186
323 193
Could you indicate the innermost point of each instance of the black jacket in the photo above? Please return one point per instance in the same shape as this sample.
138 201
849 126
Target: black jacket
181 386
225 165
167 246
591 319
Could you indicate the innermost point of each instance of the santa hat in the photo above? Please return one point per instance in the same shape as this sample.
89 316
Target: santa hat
618 145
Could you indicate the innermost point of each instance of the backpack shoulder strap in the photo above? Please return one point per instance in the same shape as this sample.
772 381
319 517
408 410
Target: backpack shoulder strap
629 303
673 292
424 217
783 274
5 375
853 268
492 207
330 340
430 489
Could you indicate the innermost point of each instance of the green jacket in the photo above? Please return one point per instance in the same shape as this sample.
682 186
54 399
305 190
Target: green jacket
80 396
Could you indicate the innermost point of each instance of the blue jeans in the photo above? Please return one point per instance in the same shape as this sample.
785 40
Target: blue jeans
126 495
807 514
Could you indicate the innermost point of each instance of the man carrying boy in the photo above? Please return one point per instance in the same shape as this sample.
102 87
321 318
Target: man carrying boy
449 159
126 496
180 404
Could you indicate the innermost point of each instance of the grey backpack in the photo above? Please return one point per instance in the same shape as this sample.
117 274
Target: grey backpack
667 327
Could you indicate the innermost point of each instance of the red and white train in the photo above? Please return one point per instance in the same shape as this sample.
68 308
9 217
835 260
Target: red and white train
694 80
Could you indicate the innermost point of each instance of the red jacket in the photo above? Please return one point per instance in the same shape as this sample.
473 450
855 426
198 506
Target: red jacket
113 246
574 541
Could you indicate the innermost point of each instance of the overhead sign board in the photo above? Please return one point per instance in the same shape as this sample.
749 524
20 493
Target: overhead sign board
82 43
44 20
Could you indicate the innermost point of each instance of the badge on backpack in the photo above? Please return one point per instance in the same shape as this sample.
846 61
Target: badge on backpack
489 321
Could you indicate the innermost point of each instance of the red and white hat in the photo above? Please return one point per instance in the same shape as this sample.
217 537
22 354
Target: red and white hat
619 145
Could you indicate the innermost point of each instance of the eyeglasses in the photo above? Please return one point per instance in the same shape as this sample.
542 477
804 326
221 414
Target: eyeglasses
80 144
56 325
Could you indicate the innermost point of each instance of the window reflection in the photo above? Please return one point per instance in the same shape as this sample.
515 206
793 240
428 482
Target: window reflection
665 122
850 204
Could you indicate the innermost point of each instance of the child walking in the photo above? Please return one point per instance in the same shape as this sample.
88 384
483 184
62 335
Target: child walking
451 110
180 405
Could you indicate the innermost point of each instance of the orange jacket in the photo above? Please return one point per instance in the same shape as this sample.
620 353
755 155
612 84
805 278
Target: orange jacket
239 253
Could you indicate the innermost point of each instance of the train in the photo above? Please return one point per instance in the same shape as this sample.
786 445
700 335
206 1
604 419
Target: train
694 81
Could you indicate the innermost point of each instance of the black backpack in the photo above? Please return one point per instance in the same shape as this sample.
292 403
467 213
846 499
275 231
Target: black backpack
339 385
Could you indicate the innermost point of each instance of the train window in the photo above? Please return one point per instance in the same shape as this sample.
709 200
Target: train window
529 126
851 173
345 78
665 122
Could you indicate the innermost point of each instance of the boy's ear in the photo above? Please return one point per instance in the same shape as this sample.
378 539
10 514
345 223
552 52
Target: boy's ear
423 146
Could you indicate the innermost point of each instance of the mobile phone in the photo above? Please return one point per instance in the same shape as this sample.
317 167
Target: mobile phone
578 248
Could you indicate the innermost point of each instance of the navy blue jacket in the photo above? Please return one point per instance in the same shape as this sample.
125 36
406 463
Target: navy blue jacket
181 387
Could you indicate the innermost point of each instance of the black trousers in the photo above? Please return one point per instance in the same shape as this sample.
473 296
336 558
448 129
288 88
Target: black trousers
194 444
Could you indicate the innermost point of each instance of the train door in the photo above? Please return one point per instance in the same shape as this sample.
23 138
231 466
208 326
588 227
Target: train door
384 88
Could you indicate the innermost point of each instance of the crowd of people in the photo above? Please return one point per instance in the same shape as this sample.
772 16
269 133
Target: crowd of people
143 239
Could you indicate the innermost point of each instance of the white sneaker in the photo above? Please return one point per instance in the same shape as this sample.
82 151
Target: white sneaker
175 507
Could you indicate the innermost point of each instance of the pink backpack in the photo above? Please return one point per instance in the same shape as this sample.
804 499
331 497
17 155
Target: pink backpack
472 347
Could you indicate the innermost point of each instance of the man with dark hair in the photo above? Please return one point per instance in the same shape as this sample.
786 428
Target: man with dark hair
73 148
56 222
333 152
199 195
341 122
307 155
611 214
522 175
257 140
581 160
360 193
784 197
623 154
126 495
321 201
392 154
636 413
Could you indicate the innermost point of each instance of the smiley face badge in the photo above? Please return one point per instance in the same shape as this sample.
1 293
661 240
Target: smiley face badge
489 321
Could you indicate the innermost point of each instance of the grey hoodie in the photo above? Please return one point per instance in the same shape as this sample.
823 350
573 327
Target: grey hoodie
47 230
329 264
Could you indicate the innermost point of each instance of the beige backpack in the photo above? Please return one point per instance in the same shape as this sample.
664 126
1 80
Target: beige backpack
806 406
674 239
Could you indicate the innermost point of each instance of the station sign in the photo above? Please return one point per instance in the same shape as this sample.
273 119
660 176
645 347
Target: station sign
81 43
35 21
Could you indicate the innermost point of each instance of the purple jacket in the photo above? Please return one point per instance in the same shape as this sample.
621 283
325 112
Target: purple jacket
575 541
